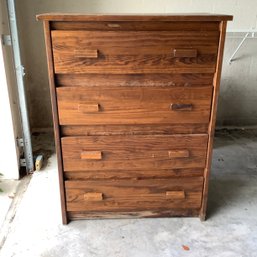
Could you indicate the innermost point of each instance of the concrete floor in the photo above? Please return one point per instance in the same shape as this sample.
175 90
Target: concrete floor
9 188
230 231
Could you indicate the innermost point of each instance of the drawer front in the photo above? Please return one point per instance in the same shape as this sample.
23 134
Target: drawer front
134 51
103 153
133 105
128 195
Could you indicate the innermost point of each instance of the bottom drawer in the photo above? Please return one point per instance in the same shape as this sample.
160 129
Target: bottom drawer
134 195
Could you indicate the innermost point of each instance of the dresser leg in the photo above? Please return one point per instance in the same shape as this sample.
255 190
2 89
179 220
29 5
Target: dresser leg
65 219
202 216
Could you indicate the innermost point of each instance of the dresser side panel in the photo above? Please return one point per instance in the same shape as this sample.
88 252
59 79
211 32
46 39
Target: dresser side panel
211 130
55 117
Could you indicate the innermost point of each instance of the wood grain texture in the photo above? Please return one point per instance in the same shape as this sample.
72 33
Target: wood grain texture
78 215
137 195
136 26
135 105
132 174
211 130
153 129
134 152
136 52
134 100
55 118
135 42
134 80
134 17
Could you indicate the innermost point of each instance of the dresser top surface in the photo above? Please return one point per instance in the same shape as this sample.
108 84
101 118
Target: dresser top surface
134 17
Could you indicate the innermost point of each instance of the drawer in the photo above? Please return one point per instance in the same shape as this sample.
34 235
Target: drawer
103 153
133 105
134 51
128 195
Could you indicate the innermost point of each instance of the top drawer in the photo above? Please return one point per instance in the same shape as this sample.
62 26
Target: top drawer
120 52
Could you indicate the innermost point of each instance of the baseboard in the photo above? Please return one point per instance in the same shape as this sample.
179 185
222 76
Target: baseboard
250 127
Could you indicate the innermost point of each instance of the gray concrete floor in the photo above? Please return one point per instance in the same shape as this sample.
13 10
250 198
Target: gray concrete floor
230 231
9 188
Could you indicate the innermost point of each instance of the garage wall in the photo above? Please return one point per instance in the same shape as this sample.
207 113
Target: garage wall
237 105
10 125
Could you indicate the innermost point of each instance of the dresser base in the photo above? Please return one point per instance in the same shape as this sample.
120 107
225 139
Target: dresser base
131 215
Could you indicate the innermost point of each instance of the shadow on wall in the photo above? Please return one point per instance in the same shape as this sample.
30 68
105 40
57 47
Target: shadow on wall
238 92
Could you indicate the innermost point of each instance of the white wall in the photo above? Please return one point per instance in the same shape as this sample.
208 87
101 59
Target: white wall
238 94
9 166
245 12
10 126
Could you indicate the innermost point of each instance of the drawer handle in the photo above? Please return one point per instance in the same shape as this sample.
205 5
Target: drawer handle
89 108
178 154
181 107
86 53
113 25
91 155
176 194
93 196
184 53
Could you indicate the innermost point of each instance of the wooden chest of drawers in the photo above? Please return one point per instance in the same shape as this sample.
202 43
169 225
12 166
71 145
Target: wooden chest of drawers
134 101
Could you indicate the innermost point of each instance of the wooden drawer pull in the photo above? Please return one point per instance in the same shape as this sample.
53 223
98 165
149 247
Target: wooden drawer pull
181 107
88 108
93 196
113 25
178 154
176 194
185 52
91 155
86 53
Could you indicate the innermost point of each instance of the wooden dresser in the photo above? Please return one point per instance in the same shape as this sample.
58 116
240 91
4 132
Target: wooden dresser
134 100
